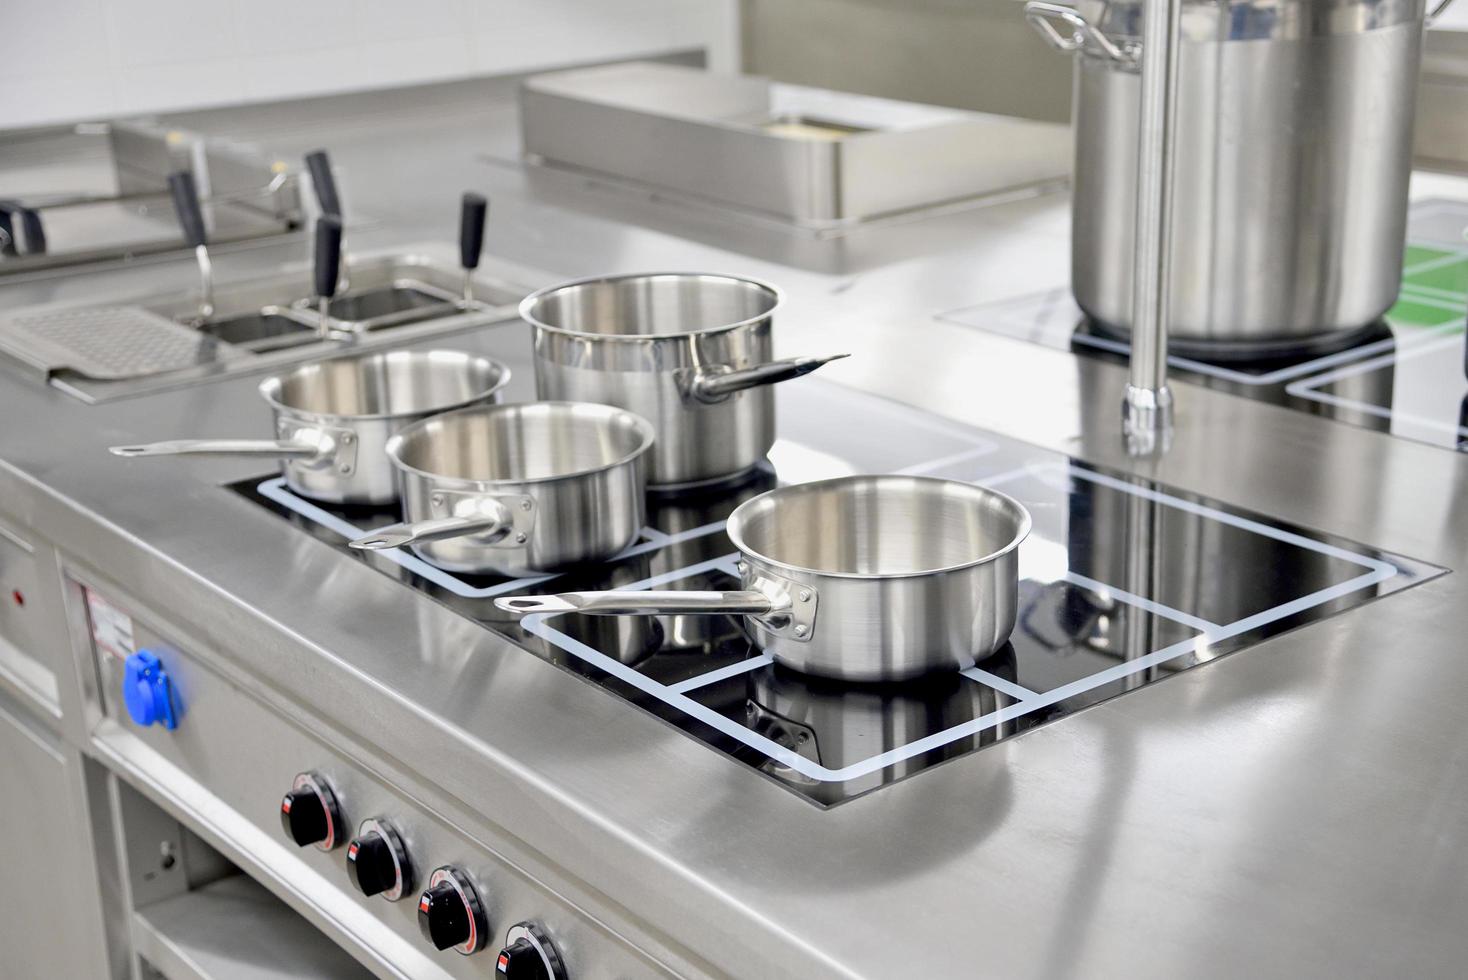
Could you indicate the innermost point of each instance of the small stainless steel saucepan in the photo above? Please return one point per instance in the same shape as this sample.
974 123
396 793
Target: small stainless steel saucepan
861 578
690 352
333 418
517 489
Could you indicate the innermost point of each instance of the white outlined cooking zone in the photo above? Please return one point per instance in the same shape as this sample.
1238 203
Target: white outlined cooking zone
1374 572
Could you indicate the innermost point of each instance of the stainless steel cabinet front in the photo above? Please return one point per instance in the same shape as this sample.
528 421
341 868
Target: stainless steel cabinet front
225 767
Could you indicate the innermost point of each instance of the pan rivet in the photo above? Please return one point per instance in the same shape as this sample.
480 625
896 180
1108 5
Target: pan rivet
437 500
520 538
805 595
526 504
345 468
801 630
742 567
347 438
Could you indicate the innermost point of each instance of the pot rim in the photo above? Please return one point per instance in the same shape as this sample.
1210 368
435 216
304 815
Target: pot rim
735 527
534 298
644 429
270 387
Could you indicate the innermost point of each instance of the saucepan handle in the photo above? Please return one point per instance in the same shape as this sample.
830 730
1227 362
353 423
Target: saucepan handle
1043 17
716 384
490 519
272 448
749 602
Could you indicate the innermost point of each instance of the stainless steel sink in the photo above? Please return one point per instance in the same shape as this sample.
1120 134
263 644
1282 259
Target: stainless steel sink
269 329
393 291
377 308
272 320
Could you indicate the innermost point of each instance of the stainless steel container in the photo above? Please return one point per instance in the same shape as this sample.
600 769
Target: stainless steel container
862 578
333 418
689 352
518 489
1294 151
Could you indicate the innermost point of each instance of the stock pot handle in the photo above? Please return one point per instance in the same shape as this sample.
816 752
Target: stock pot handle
1042 17
273 448
749 602
491 519
716 384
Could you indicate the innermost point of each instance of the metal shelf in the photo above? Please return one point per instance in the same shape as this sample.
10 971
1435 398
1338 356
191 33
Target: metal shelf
233 929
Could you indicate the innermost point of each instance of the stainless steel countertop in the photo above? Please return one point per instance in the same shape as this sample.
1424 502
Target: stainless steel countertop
1297 809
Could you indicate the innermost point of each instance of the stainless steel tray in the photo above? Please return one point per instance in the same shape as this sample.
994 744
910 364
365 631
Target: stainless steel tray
107 342
809 156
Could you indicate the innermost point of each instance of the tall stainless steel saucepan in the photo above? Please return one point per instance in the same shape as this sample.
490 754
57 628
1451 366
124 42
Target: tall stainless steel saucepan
861 578
333 418
1294 149
518 489
689 352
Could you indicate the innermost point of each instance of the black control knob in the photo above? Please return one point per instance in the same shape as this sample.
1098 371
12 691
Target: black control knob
377 862
450 914
309 813
529 954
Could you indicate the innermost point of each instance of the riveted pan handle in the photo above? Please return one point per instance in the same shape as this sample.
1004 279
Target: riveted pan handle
785 609
491 520
273 448
749 602
713 385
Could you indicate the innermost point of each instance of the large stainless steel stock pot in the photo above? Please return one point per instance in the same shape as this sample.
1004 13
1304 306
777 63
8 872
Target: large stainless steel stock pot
861 578
518 489
1294 149
333 418
689 352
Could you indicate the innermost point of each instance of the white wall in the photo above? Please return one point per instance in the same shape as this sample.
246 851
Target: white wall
66 60
1455 17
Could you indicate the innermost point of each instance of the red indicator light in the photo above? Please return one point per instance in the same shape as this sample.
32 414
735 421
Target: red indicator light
16 595
423 904
504 961
352 852
285 805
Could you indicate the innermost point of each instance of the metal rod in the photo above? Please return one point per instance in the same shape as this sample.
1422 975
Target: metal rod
206 282
1147 405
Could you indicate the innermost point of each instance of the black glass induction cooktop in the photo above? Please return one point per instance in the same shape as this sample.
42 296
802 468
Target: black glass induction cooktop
1405 376
1123 583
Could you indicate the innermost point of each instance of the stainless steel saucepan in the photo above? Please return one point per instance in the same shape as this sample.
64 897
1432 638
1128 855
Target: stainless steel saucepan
517 489
861 578
689 352
333 418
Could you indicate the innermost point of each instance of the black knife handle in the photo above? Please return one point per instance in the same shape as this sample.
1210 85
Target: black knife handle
328 254
35 232
186 206
471 229
319 165
9 245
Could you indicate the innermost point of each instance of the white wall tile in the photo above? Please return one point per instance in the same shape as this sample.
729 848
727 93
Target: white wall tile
147 88
77 59
41 99
166 32
51 37
302 25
